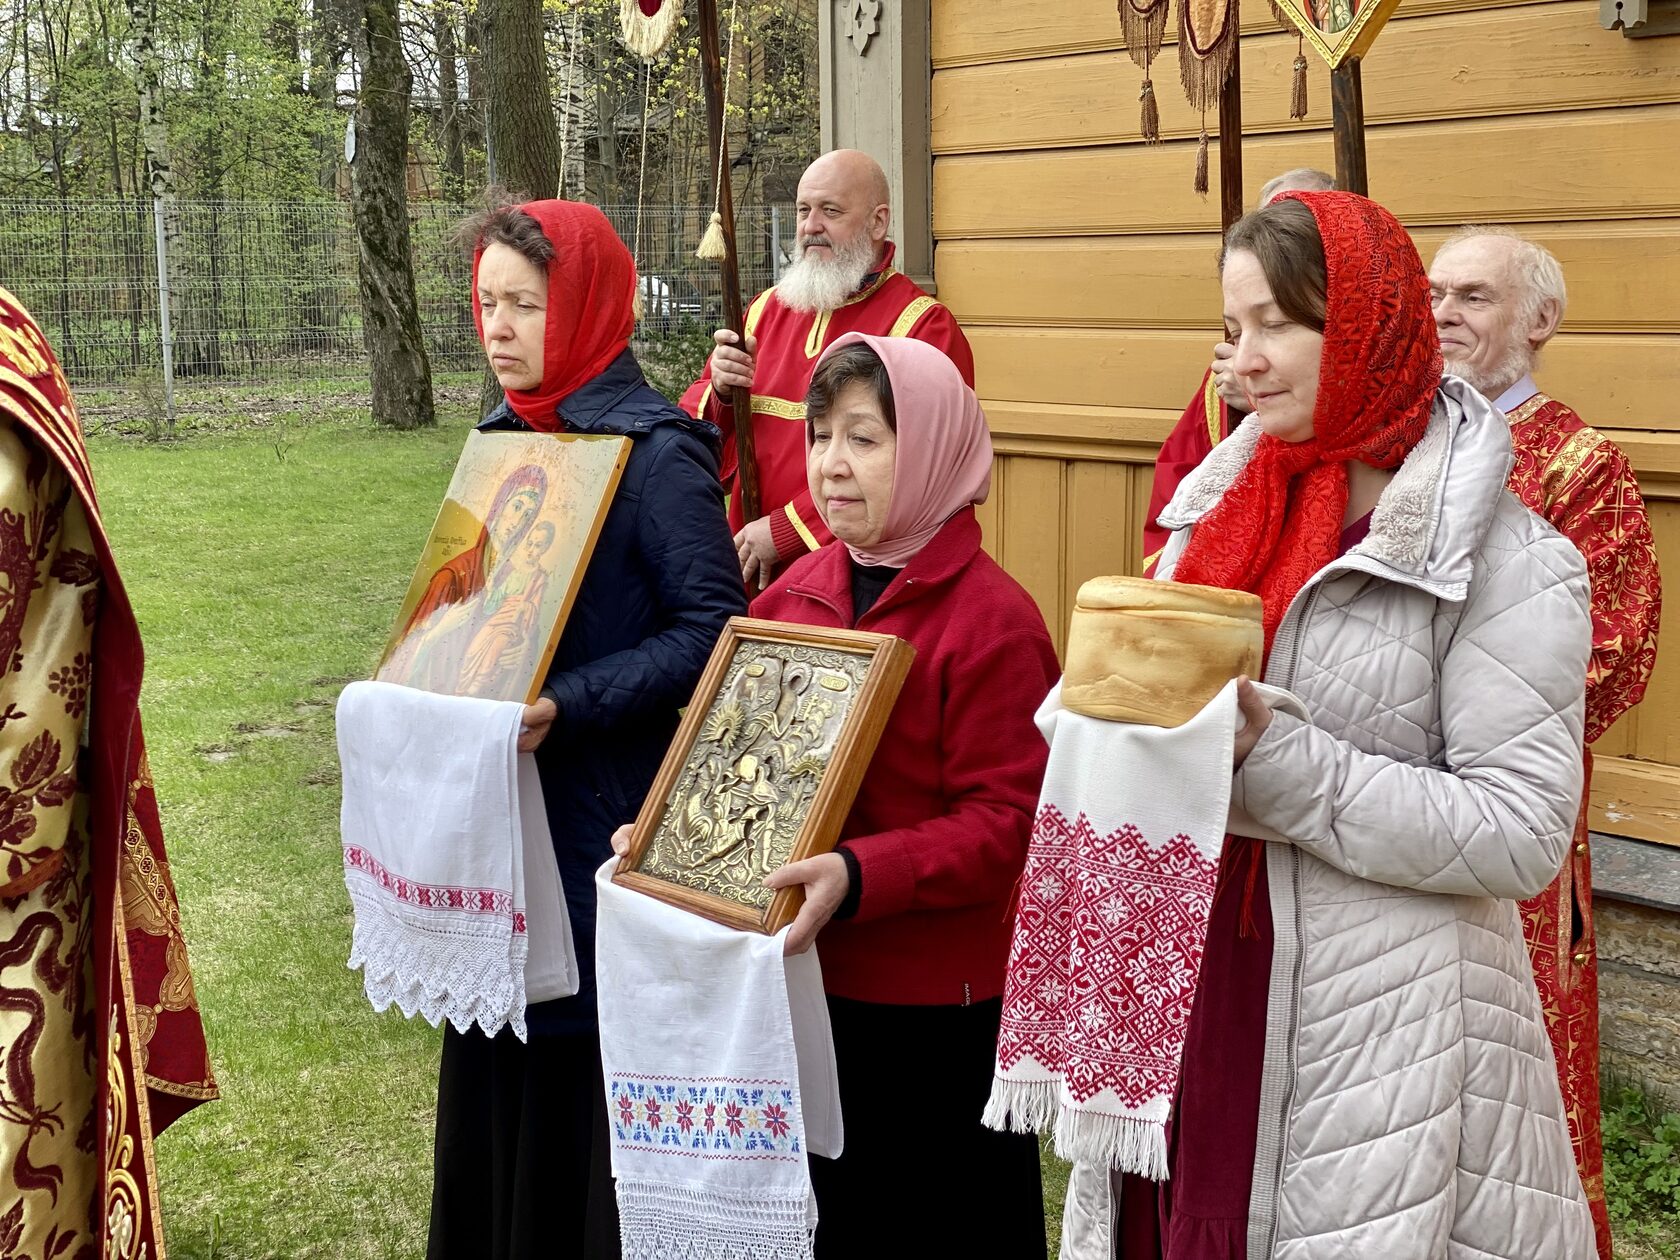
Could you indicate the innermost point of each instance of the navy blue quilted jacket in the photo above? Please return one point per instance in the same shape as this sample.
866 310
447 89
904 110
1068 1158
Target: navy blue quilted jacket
662 581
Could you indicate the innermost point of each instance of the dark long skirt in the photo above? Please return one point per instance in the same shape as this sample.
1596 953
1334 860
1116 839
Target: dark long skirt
522 1168
920 1175
1201 1212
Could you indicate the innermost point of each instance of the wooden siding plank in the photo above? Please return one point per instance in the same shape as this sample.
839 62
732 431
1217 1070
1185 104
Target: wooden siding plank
1030 516
1587 165
1623 277
1637 799
1101 537
1656 736
1620 381
1547 58
972 32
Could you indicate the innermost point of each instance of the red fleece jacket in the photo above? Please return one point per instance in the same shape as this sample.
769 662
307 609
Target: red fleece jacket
941 822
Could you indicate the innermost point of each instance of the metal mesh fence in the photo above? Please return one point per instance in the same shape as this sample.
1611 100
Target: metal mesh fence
267 290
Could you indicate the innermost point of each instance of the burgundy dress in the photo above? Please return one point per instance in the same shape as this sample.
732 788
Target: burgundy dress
1201 1211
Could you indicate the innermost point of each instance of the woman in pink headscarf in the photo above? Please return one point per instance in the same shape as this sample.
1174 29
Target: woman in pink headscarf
913 909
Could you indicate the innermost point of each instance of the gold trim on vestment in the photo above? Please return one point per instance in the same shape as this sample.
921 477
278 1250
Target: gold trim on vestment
50 427
799 526
1562 467
819 329
1211 410
910 314
1526 410
142 1114
1149 560
781 408
869 291
755 312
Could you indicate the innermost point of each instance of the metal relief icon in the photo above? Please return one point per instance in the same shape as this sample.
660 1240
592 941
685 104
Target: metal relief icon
764 768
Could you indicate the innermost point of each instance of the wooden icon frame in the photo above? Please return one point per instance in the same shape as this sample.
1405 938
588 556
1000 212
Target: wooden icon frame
705 772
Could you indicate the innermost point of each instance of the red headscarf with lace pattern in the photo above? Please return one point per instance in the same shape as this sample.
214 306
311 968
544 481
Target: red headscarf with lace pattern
591 306
1280 521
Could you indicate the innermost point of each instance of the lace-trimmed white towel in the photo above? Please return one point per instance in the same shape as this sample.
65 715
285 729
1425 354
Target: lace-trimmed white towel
442 820
719 1068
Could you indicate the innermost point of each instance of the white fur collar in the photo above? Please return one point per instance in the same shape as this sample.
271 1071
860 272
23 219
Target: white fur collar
1432 518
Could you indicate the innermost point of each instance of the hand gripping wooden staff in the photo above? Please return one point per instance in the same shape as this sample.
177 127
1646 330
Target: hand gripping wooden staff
723 224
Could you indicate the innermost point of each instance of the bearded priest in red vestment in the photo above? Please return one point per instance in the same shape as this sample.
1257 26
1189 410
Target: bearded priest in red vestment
100 1040
1498 299
1219 405
842 280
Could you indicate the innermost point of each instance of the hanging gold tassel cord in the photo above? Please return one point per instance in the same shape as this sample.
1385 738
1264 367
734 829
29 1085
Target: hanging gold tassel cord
1298 95
1207 41
1143 25
713 246
1151 114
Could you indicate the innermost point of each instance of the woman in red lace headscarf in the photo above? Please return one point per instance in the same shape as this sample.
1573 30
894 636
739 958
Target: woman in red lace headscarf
1367 1071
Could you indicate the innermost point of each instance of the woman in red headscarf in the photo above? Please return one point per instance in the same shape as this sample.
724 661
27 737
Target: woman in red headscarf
522 1165
1367 1071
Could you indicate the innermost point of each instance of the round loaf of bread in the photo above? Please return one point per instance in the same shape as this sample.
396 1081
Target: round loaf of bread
1157 652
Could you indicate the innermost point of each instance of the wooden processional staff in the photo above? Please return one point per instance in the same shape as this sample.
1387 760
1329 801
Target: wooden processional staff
649 26
1340 32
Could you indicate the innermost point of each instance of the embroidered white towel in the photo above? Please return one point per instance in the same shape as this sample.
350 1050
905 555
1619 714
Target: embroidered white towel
441 818
719 1069
1110 928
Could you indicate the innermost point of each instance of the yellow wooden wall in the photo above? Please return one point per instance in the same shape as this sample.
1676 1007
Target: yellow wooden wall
1082 264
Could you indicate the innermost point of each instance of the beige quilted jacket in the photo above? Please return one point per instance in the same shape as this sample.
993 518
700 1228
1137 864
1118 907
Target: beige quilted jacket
1409 1105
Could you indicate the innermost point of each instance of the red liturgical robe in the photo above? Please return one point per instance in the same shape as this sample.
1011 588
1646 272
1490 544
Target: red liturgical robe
789 343
1581 482
1206 422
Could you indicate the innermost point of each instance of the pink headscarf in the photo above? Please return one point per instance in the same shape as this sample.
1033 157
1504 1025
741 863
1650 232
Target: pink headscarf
944 458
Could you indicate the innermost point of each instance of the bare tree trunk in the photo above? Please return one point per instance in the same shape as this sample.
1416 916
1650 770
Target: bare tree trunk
473 124
402 373
521 134
449 95
154 134
522 131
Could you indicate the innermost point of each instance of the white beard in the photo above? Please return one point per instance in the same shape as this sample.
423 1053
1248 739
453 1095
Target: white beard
1507 370
815 284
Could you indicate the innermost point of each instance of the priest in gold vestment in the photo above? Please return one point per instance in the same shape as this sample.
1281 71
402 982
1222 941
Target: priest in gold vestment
100 1039
1498 299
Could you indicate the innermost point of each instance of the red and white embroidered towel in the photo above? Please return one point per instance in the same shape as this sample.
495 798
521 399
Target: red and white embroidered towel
442 822
718 1062
1109 931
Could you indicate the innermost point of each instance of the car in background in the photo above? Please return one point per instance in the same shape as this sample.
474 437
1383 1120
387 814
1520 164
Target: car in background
672 303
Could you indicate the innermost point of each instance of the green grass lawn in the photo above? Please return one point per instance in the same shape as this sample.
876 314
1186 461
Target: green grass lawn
266 554
265 567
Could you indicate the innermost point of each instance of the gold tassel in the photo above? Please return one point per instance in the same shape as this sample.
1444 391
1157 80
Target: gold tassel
1202 162
1298 98
1143 25
1151 114
713 248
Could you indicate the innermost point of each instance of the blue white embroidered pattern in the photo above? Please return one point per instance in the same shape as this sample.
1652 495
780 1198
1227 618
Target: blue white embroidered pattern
715 1118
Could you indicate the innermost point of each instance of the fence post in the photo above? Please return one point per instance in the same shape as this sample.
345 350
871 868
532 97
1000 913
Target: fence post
163 317
775 244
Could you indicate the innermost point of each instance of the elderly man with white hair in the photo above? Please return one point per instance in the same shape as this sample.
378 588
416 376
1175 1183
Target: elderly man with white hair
842 280
1498 299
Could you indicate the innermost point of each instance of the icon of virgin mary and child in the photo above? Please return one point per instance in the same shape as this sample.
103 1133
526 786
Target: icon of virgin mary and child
474 631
